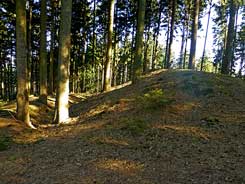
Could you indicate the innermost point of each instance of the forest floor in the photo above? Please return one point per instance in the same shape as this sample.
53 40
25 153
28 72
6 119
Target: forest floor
171 127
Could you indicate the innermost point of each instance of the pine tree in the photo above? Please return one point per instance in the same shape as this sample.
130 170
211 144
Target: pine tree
230 40
62 91
43 54
191 64
171 36
21 57
137 66
107 72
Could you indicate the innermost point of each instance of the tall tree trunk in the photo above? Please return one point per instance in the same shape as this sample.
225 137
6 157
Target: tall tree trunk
21 57
115 63
43 54
187 33
156 35
230 39
83 59
192 58
185 25
182 47
62 92
94 36
146 47
167 42
1 72
130 64
115 51
206 36
107 74
137 65
242 63
11 69
173 10
29 53
51 59
234 42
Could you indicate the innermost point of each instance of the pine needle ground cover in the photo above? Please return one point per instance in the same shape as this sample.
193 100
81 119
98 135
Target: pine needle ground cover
171 127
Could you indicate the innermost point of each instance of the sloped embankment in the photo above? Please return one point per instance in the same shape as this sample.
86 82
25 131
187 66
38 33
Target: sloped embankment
171 127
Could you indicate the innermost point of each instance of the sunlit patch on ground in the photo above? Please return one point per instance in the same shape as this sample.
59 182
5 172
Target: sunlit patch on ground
126 167
185 129
111 138
91 126
185 107
109 141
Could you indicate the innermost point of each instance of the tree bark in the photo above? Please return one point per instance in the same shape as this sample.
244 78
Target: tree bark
29 53
21 57
205 41
234 42
51 59
173 10
156 35
167 42
62 92
107 73
137 65
146 47
184 35
187 34
43 54
230 39
192 59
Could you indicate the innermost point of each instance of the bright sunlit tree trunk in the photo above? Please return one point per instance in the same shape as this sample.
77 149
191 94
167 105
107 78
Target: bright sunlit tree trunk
21 60
62 91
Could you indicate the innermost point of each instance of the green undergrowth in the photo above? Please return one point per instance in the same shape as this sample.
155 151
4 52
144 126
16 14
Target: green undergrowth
135 126
153 100
5 142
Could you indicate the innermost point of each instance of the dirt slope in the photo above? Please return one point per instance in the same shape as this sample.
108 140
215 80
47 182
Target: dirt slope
171 127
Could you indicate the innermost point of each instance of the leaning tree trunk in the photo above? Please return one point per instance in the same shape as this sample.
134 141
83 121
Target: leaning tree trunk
107 72
62 92
21 60
191 64
137 65
206 36
230 39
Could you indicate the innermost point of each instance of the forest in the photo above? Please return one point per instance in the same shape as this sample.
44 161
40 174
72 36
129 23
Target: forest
122 91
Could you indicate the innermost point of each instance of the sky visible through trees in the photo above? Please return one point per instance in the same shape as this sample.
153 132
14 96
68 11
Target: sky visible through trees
200 36
122 91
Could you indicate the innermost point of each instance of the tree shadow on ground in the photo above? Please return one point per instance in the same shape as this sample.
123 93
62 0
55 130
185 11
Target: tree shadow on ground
116 140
